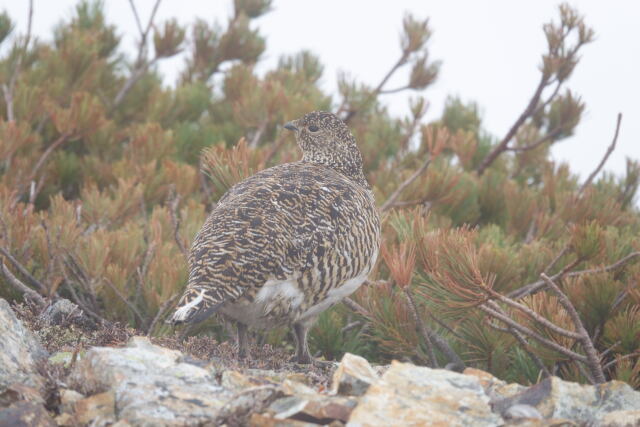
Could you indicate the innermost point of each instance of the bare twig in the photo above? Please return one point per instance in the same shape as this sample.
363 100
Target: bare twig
16 264
626 356
422 329
534 287
610 149
160 313
45 156
18 285
528 111
528 332
141 65
82 303
373 94
525 346
536 317
9 89
555 260
593 360
545 138
610 349
389 203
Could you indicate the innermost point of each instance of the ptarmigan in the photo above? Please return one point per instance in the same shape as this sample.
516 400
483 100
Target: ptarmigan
289 242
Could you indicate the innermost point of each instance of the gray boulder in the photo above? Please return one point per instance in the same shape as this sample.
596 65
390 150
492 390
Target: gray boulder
19 351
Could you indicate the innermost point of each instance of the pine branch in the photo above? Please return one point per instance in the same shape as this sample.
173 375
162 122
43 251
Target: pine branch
610 149
389 203
593 362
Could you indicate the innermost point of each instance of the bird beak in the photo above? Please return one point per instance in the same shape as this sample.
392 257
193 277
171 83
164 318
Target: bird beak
291 126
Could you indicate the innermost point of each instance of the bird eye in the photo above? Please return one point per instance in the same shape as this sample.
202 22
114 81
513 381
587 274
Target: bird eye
313 128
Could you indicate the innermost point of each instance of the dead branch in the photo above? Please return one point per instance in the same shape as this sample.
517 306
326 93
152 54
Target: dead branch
9 89
422 329
160 313
389 203
621 358
82 303
532 106
555 260
491 311
545 138
378 89
141 64
21 287
536 317
593 362
534 287
610 149
23 271
42 160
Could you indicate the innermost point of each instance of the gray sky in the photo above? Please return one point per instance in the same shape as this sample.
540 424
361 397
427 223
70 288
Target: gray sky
490 51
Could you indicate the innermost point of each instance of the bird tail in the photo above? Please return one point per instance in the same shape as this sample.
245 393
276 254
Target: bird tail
194 306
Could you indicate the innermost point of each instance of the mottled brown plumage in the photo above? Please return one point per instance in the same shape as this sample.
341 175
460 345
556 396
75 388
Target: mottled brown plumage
287 243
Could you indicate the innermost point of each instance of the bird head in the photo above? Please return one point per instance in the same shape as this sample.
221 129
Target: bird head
325 139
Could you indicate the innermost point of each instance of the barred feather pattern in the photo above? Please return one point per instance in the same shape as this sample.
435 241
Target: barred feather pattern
290 241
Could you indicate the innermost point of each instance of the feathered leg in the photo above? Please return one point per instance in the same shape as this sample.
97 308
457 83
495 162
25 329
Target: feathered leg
302 349
243 346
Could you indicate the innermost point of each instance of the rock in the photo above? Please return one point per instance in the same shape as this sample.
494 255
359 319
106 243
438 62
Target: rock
151 385
61 312
620 419
25 414
19 392
239 408
521 411
261 420
353 376
68 399
319 409
66 419
19 351
96 409
494 387
555 398
409 395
